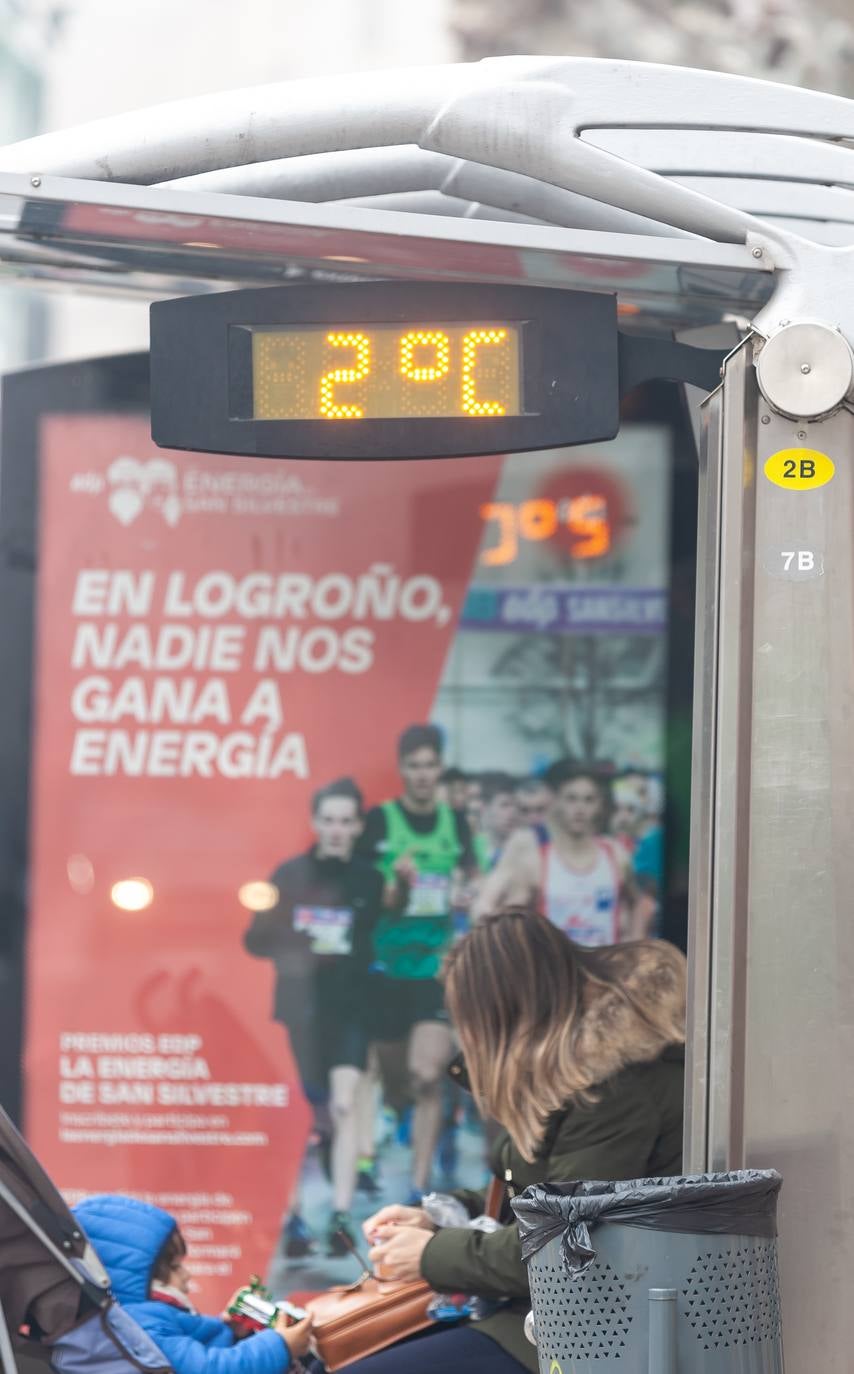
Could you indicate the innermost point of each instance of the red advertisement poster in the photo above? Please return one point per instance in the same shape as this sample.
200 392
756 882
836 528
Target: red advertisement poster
214 640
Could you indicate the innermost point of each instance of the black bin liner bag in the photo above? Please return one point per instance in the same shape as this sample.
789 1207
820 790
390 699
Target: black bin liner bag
742 1203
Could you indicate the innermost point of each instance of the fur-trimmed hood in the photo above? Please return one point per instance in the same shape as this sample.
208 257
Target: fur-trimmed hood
634 1022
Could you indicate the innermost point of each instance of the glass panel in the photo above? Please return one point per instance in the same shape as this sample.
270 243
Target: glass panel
235 661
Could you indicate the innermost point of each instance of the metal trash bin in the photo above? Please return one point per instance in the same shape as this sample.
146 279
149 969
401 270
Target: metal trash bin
680 1276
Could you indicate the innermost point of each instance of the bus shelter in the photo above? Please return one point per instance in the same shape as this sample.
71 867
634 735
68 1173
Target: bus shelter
712 210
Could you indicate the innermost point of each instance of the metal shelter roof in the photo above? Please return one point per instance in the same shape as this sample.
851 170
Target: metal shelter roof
688 192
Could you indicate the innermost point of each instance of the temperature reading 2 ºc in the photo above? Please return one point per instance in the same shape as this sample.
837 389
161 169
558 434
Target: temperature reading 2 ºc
378 372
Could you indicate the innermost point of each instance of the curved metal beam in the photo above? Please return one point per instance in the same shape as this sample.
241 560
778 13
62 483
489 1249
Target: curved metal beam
521 114
339 175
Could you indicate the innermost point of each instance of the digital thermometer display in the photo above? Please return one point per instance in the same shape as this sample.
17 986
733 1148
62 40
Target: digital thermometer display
384 370
362 371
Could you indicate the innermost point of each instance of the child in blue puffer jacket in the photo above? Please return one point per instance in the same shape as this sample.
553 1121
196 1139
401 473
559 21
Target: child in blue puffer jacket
143 1252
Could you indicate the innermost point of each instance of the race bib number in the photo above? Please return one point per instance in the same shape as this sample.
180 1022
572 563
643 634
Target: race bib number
589 920
329 928
586 932
429 895
594 923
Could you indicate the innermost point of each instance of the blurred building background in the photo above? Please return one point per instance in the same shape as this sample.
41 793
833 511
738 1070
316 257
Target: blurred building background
100 57
801 42
66 61
23 43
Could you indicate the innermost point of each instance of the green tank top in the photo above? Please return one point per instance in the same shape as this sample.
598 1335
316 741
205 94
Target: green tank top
411 944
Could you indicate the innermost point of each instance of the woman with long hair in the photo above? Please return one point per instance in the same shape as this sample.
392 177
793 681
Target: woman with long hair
578 1054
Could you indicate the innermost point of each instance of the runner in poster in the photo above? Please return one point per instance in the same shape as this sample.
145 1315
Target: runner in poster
454 788
499 818
533 799
579 878
627 808
319 936
424 851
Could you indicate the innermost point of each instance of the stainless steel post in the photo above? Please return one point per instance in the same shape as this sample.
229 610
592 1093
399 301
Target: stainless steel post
772 924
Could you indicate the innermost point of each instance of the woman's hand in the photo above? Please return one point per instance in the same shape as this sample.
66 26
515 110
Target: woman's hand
397 1253
396 1215
297 1337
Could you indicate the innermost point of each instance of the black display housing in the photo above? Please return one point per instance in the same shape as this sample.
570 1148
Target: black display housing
201 370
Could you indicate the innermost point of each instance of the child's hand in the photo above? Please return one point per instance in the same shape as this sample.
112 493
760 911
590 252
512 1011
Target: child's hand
297 1337
225 1315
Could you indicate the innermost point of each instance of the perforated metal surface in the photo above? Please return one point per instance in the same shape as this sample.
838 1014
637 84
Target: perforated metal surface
728 1312
733 1299
581 1319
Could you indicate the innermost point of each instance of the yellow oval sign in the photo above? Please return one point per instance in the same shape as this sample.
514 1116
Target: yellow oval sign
799 469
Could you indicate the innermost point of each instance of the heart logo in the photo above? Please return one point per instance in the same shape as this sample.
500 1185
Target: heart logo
125 504
136 484
171 510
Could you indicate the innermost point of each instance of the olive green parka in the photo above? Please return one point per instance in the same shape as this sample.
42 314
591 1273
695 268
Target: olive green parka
631 1129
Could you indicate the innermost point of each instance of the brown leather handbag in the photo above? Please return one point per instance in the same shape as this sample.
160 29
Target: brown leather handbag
352 1323
372 1314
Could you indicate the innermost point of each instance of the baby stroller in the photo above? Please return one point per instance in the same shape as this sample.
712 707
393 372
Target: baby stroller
57 1313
